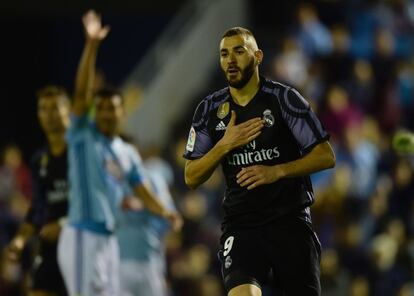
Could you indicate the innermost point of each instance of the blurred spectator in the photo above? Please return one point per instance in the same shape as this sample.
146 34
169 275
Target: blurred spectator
15 181
339 112
361 84
312 34
334 278
339 62
291 64
14 174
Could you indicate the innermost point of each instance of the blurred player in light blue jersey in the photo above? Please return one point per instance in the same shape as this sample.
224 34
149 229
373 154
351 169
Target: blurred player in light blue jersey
141 239
101 168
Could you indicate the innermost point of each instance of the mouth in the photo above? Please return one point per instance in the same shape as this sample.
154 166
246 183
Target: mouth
233 71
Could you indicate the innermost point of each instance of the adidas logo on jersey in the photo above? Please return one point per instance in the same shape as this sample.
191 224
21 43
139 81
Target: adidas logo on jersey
221 126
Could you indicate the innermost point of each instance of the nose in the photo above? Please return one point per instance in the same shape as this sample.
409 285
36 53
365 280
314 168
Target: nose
232 58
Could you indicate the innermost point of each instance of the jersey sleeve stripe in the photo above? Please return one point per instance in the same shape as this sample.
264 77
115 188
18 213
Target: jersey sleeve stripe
316 131
288 108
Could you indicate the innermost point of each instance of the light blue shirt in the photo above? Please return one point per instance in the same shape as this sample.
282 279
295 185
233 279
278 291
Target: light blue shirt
140 233
100 170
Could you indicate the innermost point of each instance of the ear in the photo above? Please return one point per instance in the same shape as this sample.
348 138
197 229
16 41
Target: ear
259 56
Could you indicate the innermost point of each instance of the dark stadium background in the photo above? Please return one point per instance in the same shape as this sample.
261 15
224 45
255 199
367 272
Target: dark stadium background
41 43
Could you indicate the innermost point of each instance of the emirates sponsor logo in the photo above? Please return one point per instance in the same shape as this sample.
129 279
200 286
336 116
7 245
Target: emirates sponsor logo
250 155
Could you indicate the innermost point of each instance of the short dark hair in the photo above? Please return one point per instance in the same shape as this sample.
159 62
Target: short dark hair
237 31
50 91
53 91
108 92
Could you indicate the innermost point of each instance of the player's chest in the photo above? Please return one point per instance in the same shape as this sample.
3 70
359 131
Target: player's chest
264 109
52 175
114 160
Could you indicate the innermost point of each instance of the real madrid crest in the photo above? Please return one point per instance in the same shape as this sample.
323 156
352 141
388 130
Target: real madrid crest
268 118
223 110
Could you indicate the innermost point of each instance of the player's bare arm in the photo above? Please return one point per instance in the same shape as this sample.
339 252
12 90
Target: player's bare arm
319 158
50 231
154 205
15 247
94 34
198 171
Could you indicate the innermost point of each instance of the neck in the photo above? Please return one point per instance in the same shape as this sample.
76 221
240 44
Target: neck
245 94
57 143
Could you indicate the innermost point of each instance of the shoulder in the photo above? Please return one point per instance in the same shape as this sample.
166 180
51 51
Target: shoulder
39 156
208 104
128 149
289 98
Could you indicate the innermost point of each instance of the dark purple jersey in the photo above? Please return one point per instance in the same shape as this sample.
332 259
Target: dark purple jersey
291 130
50 188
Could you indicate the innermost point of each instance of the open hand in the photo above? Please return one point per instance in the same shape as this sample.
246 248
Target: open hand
175 220
15 248
241 134
93 26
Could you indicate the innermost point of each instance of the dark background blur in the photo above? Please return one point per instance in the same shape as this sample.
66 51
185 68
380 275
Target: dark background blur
41 42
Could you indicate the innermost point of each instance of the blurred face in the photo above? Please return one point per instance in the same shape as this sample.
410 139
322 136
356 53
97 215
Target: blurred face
53 114
109 112
239 58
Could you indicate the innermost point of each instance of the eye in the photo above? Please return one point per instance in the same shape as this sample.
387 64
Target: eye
224 54
240 51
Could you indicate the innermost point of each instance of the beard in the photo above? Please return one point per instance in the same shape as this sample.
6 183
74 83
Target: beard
245 73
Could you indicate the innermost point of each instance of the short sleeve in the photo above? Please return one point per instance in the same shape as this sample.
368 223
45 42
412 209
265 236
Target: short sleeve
199 141
137 174
77 123
301 120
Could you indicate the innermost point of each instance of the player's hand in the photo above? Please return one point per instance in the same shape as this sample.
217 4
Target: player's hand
50 232
175 220
15 248
132 203
241 134
93 26
257 175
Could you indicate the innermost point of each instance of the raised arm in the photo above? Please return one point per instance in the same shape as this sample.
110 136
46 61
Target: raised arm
94 34
199 170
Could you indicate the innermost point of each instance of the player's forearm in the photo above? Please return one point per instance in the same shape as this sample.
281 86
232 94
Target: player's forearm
321 157
199 170
150 201
85 77
25 231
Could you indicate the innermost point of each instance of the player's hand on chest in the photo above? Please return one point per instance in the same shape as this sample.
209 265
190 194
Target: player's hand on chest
242 126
